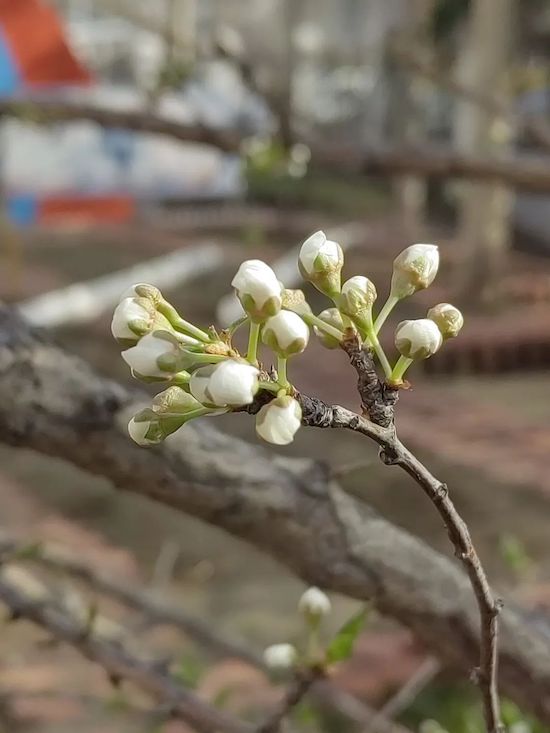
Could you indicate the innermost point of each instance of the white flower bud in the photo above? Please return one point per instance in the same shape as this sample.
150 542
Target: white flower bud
279 420
448 319
357 298
333 317
295 300
314 604
133 317
156 355
143 290
230 383
320 262
286 333
258 289
138 429
414 269
280 656
174 401
418 339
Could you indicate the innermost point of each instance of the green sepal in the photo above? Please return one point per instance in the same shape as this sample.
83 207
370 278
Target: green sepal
341 646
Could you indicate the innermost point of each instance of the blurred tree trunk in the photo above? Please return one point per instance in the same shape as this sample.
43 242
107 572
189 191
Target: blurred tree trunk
485 211
290 17
406 114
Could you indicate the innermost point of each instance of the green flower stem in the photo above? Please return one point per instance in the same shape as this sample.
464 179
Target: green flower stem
401 366
181 324
253 339
208 358
281 371
270 386
380 353
234 327
312 645
389 305
181 379
377 346
312 320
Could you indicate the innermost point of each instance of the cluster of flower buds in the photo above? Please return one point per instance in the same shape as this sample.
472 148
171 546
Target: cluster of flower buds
313 606
206 374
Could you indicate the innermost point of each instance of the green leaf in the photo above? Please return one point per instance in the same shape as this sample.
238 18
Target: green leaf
189 671
341 647
30 551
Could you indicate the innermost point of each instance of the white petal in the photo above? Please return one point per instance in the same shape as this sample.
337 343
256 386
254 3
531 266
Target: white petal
278 421
138 431
233 383
315 602
258 280
310 249
126 311
287 326
421 335
280 656
142 357
199 382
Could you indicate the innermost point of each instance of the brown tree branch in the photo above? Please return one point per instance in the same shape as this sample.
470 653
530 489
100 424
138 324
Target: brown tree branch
54 403
378 401
295 693
120 664
160 613
517 172
394 453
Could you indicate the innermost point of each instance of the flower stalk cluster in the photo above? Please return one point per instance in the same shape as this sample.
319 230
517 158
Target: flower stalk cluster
206 375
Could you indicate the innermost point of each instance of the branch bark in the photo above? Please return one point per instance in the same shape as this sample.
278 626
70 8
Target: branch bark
156 613
516 172
54 403
120 664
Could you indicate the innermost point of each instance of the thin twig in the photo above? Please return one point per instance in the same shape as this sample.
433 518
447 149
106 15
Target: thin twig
295 693
316 413
159 613
378 401
120 664
406 694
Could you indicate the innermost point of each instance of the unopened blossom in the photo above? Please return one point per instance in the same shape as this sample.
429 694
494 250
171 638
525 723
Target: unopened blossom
314 604
448 319
157 354
143 290
175 401
418 339
280 656
286 333
133 318
230 383
357 298
138 430
332 317
258 289
279 420
414 269
320 262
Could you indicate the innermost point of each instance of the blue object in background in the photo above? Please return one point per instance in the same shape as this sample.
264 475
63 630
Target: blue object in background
22 209
10 80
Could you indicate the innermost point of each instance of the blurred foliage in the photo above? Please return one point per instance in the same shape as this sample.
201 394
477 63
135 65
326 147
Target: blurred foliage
347 197
515 555
174 74
273 178
456 708
341 646
189 671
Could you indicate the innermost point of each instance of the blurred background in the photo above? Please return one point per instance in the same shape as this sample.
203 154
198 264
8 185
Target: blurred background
169 141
